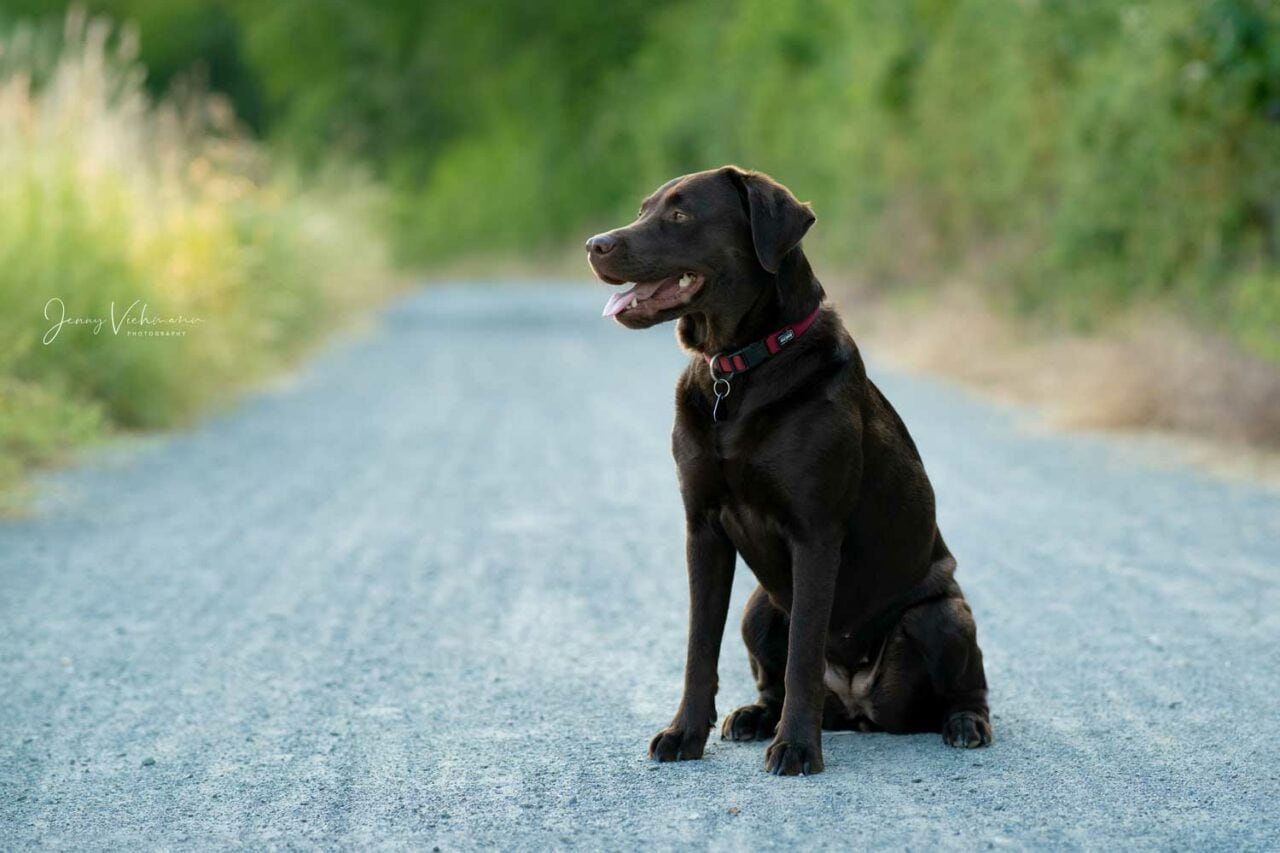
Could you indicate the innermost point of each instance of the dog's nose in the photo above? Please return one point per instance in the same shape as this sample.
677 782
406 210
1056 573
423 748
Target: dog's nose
601 244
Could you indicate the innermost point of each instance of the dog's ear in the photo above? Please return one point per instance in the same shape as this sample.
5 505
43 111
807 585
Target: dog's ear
778 219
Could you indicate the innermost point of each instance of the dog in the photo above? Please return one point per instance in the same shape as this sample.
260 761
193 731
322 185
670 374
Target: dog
789 456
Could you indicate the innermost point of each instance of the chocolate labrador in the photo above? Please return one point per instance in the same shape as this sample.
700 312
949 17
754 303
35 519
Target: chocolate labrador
790 456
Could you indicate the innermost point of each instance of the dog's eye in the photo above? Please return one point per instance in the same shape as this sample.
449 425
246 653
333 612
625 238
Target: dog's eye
678 216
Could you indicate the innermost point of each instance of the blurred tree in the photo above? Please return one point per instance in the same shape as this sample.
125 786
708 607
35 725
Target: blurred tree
201 37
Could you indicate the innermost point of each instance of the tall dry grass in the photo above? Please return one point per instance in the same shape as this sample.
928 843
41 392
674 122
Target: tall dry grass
1149 370
109 200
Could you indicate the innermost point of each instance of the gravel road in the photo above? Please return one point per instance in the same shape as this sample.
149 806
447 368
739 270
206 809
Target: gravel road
430 593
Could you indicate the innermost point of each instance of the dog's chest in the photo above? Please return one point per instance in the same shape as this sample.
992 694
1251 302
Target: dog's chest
757 532
744 479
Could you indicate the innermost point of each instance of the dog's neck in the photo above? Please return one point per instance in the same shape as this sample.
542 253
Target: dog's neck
784 298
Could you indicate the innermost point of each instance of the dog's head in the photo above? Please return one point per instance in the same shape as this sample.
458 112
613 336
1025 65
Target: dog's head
707 242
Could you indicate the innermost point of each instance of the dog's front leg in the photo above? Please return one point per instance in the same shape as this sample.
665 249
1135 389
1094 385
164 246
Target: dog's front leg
797 746
710 557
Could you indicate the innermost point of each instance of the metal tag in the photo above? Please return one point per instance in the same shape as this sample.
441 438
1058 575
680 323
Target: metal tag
721 387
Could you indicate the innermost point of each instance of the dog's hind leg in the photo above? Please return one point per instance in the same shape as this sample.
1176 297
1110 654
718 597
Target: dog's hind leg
944 632
764 630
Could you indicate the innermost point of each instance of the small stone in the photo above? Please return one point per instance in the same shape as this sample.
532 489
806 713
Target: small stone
147 762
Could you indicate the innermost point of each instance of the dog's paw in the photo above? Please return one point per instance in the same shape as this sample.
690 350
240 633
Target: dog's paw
793 758
678 743
750 722
967 730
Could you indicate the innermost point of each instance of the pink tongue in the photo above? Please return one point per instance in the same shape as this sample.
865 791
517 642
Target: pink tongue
619 301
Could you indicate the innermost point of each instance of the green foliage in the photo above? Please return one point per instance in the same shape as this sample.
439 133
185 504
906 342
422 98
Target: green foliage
112 205
1089 153
183 38
38 422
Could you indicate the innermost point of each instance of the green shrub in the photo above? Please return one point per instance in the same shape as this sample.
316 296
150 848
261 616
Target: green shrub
111 203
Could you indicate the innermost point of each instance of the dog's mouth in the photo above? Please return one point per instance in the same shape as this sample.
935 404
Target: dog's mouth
647 299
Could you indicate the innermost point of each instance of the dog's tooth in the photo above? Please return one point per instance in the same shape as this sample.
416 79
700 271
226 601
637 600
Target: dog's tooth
686 280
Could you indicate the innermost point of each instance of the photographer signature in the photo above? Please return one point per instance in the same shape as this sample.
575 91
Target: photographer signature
133 320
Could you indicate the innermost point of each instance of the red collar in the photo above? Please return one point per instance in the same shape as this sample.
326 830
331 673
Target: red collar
740 361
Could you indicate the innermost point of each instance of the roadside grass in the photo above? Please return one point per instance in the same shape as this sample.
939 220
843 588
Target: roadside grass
111 204
1147 370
